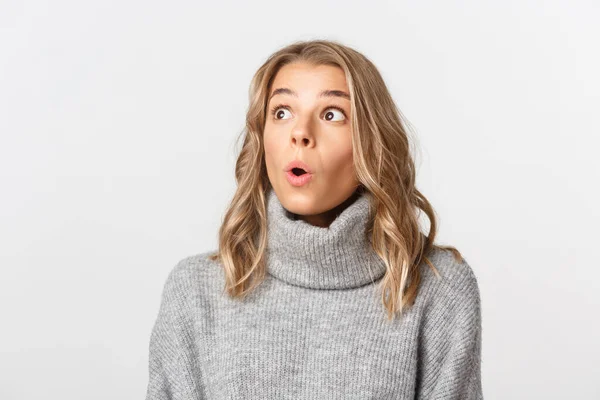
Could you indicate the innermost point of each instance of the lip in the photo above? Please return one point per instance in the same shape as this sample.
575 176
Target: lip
298 180
298 164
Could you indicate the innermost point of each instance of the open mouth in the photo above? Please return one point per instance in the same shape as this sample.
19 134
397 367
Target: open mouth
298 176
298 171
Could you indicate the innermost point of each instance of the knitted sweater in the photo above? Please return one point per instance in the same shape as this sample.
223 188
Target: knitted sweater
316 328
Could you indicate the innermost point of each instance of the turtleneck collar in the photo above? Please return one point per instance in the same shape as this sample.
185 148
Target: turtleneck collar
337 257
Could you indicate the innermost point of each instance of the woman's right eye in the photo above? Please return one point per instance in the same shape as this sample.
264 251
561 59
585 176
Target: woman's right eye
279 112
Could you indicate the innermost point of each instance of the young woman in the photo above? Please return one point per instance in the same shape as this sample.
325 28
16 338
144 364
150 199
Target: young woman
323 285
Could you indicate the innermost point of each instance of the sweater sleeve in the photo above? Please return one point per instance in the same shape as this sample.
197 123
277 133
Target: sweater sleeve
172 356
451 357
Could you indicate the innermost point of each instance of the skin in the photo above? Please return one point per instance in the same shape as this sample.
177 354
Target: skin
311 131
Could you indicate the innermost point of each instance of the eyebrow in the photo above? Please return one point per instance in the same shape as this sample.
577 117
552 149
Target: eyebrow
324 93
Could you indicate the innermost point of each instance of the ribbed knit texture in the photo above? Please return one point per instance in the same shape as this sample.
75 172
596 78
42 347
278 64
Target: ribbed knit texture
316 327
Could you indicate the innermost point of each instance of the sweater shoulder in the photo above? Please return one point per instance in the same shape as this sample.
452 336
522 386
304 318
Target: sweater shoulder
194 264
454 288
192 274
453 271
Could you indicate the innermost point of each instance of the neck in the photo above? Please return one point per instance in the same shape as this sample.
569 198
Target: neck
326 218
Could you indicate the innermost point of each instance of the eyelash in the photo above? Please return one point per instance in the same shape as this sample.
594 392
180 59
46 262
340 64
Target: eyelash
278 106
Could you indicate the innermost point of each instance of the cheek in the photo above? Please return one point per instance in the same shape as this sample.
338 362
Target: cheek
270 147
273 152
338 160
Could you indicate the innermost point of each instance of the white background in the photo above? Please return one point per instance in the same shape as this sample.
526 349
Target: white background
118 122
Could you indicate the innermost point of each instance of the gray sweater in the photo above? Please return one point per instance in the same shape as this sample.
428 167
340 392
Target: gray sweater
316 327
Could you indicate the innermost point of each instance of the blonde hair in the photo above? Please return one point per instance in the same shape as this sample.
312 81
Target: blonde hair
384 168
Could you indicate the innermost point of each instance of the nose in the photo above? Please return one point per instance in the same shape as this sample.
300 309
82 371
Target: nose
302 134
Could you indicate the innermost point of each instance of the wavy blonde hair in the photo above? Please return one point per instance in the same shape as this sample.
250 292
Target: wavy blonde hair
384 168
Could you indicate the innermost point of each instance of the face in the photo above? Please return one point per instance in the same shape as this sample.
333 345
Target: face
308 119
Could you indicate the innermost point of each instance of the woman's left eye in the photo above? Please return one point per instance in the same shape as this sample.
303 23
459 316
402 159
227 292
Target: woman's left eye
330 114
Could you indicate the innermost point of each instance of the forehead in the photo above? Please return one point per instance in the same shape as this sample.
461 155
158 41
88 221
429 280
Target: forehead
304 77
